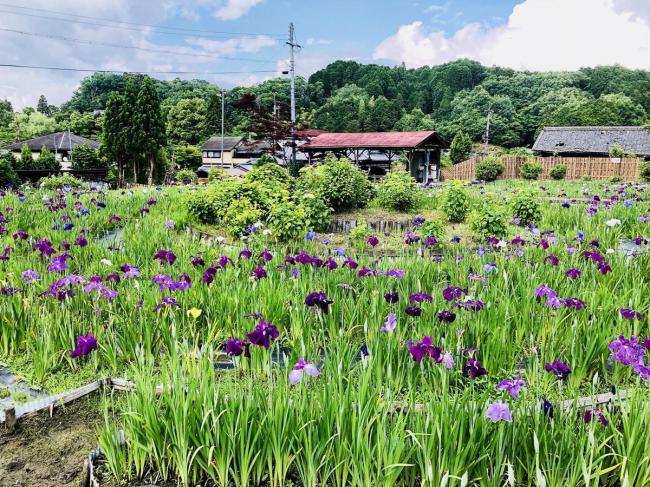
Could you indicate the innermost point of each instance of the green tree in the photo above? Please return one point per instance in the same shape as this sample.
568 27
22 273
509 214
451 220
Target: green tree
186 122
461 148
42 106
6 119
344 111
413 121
186 156
131 132
85 157
114 140
26 158
381 115
47 160
213 114
150 125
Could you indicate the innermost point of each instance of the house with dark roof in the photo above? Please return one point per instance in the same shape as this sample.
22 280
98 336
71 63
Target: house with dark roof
211 150
374 152
592 141
61 144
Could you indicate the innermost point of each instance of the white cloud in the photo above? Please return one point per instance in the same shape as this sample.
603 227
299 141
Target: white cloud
539 35
233 9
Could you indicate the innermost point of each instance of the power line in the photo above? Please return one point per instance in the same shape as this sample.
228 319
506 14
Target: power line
173 31
122 46
82 70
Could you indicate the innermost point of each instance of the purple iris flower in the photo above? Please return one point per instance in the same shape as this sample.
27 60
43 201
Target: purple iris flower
348 262
627 352
129 272
224 261
5 253
319 299
373 241
235 347
410 238
259 273
591 414
295 273
425 349
637 241
559 369
544 290
44 247
451 293
114 219
21 235
30 277
113 276
473 368
165 256
366 272
302 258
573 273
167 301
471 304
552 259
59 263
197 261
311 236
418 220
630 314
263 334
81 240
301 368
85 345
512 386
420 297
604 268
518 240
391 297
576 303
499 411
447 316
245 254
430 241
265 255
331 264
209 273
413 311
390 325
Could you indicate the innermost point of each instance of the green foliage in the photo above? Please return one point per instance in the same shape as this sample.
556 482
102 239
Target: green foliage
317 214
7 174
185 176
26 158
398 191
531 169
287 221
616 179
461 148
644 171
489 220
216 174
51 183
526 206
239 215
271 174
616 151
149 127
340 184
47 160
433 227
455 203
186 122
187 157
489 169
558 172
85 157
360 233
414 121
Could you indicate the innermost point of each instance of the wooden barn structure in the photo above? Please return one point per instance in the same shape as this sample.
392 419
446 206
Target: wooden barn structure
374 152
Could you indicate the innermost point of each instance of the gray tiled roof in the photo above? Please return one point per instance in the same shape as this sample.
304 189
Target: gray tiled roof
62 141
593 140
214 143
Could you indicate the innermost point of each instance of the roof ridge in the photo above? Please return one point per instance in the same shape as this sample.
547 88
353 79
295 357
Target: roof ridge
597 127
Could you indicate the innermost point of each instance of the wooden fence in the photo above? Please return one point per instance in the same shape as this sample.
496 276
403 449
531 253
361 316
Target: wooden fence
577 167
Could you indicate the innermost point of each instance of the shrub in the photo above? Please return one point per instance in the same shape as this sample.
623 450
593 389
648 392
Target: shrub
616 179
287 221
433 227
215 175
341 185
489 220
263 195
616 151
59 182
8 176
460 148
399 191
318 215
187 157
26 158
271 173
46 160
525 206
456 203
209 206
360 233
489 169
240 214
185 176
644 171
531 170
558 172
587 178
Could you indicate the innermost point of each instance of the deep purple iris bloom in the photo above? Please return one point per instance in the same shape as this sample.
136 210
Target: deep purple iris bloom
425 349
559 369
167 301
450 293
235 347
129 271
263 334
85 345
21 235
259 273
430 241
44 247
604 268
245 254
81 240
591 414
265 255
197 261
373 241
165 256
413 311
331 264
630 314
391 297
209 273
59 263
348 262
576 303
512 386
628 352
447 316
224 261
319 299
552 258
420 297
410 238
573 273
473 368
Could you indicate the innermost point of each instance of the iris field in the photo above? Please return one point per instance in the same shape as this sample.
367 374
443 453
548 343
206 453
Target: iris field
313 363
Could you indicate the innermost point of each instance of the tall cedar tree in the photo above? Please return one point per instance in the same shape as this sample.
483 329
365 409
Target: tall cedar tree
461 148
213 115
150 125
114 143
42 106
130 130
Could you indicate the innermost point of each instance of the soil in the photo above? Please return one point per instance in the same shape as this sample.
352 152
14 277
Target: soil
50 452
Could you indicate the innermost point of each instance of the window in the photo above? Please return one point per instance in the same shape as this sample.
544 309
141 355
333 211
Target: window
212 154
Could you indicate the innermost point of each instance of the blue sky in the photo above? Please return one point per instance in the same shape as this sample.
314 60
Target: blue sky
522 34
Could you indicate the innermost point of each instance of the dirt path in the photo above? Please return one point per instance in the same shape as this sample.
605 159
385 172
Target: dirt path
49 452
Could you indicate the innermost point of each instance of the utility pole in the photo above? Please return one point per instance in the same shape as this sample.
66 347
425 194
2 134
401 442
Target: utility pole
487 133
292 71
223 111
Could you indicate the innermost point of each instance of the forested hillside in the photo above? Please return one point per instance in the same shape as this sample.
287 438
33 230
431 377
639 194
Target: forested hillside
348 96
